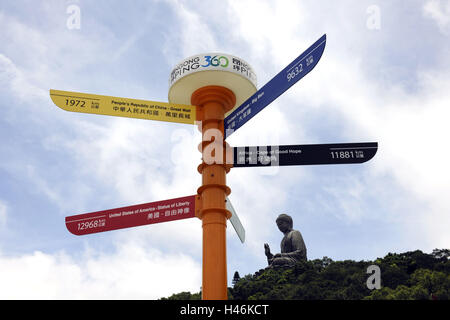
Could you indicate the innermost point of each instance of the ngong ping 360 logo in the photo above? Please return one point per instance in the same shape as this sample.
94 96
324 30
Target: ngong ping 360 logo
212 61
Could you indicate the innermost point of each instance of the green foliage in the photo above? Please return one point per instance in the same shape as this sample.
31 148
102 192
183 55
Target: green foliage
408 276
411 275
311 280
184 296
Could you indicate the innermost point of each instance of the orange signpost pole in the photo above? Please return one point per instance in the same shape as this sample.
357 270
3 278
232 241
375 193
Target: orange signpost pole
213 102
214 83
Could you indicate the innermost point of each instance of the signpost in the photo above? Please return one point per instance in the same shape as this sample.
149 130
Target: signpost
309 154
205 89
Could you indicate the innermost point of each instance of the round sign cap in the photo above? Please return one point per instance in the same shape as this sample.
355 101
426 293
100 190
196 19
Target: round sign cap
211 69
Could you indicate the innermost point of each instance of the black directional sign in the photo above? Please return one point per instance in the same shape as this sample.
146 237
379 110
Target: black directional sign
309 154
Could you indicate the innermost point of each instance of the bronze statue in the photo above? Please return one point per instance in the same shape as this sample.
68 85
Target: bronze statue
293 247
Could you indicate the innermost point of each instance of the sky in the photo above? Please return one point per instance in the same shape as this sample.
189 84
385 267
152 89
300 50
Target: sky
383 77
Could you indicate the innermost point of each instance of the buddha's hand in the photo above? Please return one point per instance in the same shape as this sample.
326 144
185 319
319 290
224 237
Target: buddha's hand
267 250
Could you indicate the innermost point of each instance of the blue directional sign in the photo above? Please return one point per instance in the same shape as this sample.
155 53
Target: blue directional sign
296 70
309 154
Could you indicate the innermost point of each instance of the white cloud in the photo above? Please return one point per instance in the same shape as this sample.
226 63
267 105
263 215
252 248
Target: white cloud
270 28
131 272
3 214
13 78
191 34
439 11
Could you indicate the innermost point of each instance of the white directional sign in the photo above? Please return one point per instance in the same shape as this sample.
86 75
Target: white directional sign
235 222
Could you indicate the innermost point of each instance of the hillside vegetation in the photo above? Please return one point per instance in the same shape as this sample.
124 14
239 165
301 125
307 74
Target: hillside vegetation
411 275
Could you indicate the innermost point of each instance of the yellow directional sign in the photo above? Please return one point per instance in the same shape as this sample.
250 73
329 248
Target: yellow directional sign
123 107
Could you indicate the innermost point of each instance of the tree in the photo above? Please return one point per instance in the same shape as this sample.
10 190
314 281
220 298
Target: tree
185 295
441 254
236 278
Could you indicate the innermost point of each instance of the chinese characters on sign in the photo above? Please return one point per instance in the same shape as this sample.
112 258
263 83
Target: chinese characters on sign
220 62
285 79
243 68
244 111
123 107
310 154
132 216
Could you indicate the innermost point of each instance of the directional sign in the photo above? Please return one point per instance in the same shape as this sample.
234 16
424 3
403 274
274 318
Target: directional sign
235 221
132 216
291 155
296 70
123 107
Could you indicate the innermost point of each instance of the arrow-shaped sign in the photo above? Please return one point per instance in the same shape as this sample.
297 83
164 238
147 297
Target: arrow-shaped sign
291 155
236 222
296 70
132 216
143 214
123 107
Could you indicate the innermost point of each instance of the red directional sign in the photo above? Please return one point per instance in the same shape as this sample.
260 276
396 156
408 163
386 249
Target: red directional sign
132 216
